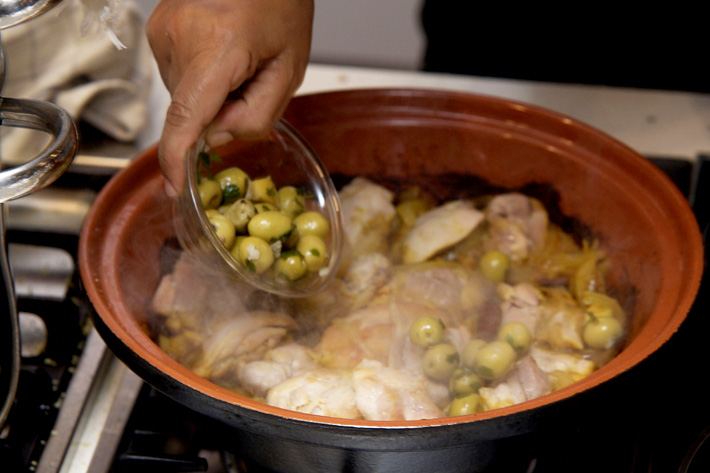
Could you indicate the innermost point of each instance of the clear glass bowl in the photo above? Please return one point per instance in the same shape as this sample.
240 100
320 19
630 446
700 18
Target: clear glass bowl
290 161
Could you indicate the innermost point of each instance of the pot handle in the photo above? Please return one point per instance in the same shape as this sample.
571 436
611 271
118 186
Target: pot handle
52 161
9 330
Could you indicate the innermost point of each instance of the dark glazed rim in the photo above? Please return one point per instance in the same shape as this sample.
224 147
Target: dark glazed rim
127 338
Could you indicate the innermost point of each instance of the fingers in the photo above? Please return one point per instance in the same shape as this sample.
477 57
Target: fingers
196 99
262 103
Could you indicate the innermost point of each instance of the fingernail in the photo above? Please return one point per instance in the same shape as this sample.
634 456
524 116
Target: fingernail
169 189
219 138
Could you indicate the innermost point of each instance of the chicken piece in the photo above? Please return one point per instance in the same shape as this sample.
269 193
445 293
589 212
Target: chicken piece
192 297
458 336
325 392
380 331
366 333
279 364
447 287
527 381
296 357
187 301
364 277
184 347
439 393
504 394
383 393
489 318
238 340
315 313
367 213
521 303
439 229
550 361
531 378
181 296
377 332
561 320
518 225
257 377
562 369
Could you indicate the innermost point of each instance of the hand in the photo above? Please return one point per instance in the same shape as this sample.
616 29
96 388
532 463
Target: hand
206 49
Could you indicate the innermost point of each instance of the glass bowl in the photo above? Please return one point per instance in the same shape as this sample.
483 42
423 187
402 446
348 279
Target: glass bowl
289 161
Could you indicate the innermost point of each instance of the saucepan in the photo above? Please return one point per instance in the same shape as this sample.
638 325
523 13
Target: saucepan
394 135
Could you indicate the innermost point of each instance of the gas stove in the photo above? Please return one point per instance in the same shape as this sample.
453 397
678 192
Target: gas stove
79 409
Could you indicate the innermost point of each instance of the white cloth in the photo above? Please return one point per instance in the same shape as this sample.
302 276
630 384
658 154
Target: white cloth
68 57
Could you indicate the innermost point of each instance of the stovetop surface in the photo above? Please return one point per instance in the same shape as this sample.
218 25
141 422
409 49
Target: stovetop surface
655 418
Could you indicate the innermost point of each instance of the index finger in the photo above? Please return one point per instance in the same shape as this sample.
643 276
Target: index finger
196 100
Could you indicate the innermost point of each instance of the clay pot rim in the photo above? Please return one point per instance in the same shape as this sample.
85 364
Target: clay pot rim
124 326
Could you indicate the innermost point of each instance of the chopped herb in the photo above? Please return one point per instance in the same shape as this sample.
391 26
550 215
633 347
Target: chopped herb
453 359
205 161
314 252
286 236
204 158
250 265
231 193
304 192
486 372
271 192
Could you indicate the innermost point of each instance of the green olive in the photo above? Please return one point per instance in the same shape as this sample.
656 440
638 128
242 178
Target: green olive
290 201
440 361
312 223
494 360
468 357
314 251
464 382
210 193
494 265
263 190
517 335
255 254
222 227
602 333
601 305
465 405
240 213
234 183
291 265
426 331
270 226
235 249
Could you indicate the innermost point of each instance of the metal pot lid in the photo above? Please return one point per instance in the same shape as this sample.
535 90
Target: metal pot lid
14 12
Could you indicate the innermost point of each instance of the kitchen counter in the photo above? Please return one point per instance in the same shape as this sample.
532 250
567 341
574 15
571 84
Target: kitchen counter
659 123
